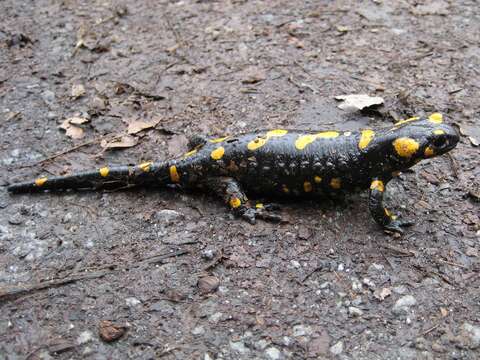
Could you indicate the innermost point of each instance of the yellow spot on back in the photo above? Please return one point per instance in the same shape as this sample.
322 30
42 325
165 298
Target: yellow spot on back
438 132
285 189
336 183
365 139
429 152
259 206
307 186
304 140
217 154
235 202
40 181
401 122
257 143
145 166
174 176
436 118
377 185
104 171
260 141
405 147
327 134
190 153
218 140
317 179
277 133
387 212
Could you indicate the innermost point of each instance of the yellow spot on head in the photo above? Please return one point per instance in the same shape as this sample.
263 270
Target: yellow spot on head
317 179
217 154
40 181
401 122
438 132
405 147
429 152
436 118
365 139
377 185
145 166
104 171
190 153
336 183
285 189
235 202
307 186
259 206
174 176
218 140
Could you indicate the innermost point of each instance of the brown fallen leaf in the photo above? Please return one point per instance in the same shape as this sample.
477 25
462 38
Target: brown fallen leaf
77 120
109 332
72 131
208 284
253 76
78 90
381 294
125 141
138 125
75 132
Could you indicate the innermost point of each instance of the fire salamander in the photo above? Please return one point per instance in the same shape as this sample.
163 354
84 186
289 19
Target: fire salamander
282 162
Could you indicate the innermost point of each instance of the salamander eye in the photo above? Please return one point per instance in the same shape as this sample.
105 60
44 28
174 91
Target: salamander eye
439 142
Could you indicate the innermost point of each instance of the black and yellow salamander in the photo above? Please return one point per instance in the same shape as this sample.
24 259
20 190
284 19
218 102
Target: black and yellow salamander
282 162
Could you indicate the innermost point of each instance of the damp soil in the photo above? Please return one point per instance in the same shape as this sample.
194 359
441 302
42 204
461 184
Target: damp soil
149 274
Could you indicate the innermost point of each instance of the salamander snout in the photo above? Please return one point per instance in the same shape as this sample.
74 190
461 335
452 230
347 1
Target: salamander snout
443 139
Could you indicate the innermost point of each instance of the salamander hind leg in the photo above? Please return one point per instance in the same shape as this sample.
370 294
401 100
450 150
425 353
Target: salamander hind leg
380 214
233 195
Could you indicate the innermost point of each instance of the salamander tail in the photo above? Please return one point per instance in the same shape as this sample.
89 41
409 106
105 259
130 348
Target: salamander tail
110 178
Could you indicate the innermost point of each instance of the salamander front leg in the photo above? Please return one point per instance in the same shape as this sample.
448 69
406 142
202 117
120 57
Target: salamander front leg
235 197
380 214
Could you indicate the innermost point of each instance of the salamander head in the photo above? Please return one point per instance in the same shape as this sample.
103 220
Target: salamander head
416 139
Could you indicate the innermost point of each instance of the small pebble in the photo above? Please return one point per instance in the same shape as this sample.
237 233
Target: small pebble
273 353
337 349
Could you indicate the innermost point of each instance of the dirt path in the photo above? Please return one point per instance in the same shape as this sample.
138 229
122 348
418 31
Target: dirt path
184 278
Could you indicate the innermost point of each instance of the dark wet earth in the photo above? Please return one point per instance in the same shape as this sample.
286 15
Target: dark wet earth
162 274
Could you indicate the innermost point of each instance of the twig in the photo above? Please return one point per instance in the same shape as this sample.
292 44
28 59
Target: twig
430 329
90 142
406 253
453 164
83 275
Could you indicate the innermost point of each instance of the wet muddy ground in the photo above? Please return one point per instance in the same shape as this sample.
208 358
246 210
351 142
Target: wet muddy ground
163 274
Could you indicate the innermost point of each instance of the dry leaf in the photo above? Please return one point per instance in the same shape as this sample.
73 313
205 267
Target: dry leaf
254 76
381 294
77 120
74 132
125 141
444 312
78 90
358 101
139 125
473 141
